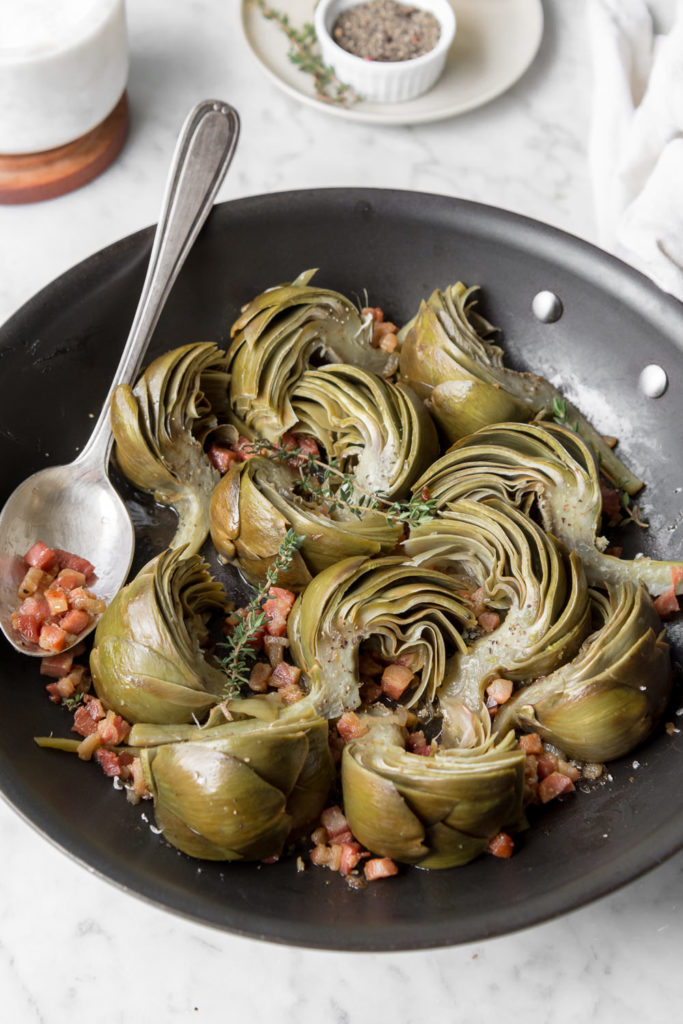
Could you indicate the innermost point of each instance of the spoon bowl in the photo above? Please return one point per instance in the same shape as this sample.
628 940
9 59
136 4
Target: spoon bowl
96 526
75 507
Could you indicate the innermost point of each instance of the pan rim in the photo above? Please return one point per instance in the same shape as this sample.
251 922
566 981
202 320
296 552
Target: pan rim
552 245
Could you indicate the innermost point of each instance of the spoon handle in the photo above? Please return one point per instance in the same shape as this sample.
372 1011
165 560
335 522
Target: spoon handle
202 156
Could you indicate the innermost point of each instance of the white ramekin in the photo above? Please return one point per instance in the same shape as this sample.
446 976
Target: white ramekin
63 69
385 81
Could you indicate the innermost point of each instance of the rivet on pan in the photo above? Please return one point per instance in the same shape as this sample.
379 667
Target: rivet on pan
547 307
653 381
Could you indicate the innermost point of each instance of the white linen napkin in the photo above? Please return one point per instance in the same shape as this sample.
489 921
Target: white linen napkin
636 139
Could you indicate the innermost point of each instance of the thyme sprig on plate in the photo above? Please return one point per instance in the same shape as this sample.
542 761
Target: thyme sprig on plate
240 644
328 484
303 54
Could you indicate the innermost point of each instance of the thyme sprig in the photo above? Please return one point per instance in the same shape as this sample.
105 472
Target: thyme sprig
632 513
303 54
328 484
72 702
560 415
240 644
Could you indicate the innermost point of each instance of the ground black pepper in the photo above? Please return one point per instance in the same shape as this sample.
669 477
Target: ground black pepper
386 30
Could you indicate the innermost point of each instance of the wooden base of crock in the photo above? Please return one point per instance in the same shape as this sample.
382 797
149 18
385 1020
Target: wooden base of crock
31 177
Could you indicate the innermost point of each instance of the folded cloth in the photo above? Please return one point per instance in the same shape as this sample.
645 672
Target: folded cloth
636 139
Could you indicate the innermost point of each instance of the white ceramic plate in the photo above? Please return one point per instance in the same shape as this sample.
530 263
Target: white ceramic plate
496 40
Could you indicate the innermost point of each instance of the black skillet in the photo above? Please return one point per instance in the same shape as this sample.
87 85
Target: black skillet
57 355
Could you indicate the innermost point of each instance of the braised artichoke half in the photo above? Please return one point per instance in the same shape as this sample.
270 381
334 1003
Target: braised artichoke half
406 609
239 790
160 427
275 338
255 504
539 588
379 432
446 357
147 663
554 468
438 811
608 699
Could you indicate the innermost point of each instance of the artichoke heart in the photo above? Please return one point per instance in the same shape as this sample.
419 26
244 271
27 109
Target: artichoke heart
147 663
552 467
610 696
376 430
160 427
405 609
446 357
255 504
539 588
274 340
436 812
238 790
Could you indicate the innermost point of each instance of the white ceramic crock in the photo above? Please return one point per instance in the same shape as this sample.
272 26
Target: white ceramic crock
63 69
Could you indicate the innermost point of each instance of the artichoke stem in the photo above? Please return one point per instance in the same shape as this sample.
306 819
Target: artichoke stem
193 523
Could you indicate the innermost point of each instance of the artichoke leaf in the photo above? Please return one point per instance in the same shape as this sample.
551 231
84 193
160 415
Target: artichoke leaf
461 726
462 404
378 815
466 332
142 463
274 340
450 848
176 832
224 516
445 341
379 432
248 529
240 786
551 467
160 426
455 386
147 662
408 608
314 782
523 571
327 538
218 797
257 502
608 699
266 707
140 695
438 811
277 757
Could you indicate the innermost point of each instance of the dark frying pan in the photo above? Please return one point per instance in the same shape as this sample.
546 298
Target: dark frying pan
57 355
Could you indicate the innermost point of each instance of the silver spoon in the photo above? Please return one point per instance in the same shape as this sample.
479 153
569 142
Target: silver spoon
75 507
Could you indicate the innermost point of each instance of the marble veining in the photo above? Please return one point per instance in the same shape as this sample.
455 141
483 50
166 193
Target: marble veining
73 946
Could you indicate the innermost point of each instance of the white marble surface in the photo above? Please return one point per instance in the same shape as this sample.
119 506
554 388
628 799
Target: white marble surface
71 945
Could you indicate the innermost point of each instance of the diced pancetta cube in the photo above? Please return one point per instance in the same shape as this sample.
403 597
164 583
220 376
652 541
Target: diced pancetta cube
41 556
52 638
379 867
554 785
395 680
